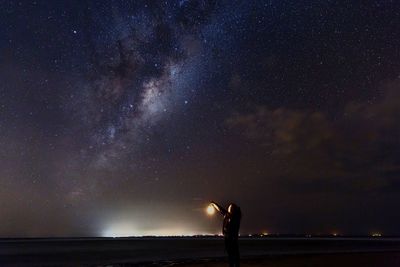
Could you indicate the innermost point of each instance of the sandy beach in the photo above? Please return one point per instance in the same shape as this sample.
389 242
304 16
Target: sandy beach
371 259
199 252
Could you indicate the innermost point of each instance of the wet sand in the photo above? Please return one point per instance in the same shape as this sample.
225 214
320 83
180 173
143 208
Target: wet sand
370 259
187 251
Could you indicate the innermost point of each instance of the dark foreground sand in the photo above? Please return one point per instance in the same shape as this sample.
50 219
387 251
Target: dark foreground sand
374 259
199 252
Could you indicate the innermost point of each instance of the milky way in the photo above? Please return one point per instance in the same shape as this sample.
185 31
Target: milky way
152 71
128 117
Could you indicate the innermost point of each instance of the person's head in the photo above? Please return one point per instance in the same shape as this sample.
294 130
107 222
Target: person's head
234 209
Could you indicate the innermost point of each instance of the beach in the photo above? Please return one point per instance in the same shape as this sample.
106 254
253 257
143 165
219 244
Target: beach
199 251
370 259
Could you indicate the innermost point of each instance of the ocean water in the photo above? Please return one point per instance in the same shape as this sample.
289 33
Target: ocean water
143 251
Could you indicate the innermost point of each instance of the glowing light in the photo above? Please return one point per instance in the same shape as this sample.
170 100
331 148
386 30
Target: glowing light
210 210
119 230
126 228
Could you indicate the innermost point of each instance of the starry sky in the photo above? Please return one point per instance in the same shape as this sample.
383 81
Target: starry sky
127 117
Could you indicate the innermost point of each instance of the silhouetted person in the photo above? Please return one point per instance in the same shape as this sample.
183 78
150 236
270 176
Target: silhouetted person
230 230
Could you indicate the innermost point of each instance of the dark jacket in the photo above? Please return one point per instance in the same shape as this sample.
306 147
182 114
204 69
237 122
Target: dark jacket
232 217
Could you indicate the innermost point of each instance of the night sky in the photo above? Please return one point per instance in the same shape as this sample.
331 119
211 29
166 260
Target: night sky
127 117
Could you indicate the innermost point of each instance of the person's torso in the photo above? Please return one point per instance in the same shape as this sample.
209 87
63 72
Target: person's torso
231 226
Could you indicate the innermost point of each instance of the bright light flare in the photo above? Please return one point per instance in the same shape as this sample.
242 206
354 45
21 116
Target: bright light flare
210 210
119 229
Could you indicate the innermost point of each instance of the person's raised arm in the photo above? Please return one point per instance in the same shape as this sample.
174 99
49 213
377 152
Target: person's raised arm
219 208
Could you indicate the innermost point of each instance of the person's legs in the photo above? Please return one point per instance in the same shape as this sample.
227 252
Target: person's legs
232 249
236 253
229 250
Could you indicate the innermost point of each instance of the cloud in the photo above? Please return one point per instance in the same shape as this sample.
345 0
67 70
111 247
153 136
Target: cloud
283 130
357 150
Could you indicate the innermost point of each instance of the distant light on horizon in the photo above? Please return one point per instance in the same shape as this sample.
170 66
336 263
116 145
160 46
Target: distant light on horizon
127 229
119 230
376 234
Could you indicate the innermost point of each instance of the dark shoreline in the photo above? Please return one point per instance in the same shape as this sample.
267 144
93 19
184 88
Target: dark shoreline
343 259
251 236
182 250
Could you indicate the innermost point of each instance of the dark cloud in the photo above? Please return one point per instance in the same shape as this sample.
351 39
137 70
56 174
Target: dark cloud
356 150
